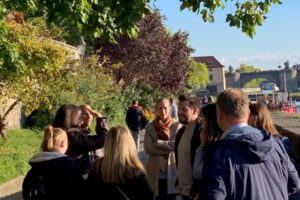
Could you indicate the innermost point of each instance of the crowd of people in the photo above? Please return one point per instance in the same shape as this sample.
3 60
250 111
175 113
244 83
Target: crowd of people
224 150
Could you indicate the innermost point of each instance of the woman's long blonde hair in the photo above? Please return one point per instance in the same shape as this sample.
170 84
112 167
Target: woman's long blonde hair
262 119
120 159
52 138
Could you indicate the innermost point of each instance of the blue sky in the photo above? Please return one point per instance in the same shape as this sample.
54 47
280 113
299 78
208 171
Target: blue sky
276 41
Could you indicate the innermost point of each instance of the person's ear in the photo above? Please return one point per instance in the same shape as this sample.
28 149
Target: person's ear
219 116
63 143
195 110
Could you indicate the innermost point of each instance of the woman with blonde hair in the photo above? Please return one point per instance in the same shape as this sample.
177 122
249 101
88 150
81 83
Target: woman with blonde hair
159 144
119 174
53 175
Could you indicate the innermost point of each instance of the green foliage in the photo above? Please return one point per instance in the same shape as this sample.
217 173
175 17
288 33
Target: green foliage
244 68
255 83
16 151
91 18
30 63
144 93
197 75
248 14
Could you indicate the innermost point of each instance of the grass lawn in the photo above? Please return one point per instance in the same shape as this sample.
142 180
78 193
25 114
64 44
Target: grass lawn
15 152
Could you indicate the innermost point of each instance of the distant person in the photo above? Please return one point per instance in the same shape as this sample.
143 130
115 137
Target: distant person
174 109
136 121
69 118
53 175
159 144
245 163
119 174
186 143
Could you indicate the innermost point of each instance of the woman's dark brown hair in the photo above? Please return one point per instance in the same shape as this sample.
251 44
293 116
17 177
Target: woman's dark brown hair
211 132
261 118
66 117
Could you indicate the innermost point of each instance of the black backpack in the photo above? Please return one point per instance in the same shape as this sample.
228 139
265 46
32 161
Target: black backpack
35 188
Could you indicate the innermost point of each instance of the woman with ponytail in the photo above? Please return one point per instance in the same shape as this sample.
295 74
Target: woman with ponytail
53 175
159 145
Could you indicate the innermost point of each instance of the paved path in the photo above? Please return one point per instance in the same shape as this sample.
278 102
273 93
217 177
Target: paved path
287 121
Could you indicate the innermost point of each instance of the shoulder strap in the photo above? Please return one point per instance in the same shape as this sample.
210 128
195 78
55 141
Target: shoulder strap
123 194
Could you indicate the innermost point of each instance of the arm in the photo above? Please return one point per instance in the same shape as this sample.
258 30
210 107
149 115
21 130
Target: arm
80 143
293 181
169 145
143 119
166 145
101 127
214 177
148 145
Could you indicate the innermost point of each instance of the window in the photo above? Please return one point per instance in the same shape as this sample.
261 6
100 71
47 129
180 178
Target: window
211 77
212 88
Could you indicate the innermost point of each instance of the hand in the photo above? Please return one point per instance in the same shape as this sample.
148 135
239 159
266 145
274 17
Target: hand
94 112
179 189
196 197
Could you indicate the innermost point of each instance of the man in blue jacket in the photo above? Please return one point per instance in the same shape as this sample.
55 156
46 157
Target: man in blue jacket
246 163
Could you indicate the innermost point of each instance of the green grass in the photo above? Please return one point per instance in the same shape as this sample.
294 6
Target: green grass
16 151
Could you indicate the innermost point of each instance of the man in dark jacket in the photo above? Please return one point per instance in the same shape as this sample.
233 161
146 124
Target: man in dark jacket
246 163
186 142
136 121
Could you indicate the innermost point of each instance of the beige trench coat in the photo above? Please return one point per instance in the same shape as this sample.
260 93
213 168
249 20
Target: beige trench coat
156 154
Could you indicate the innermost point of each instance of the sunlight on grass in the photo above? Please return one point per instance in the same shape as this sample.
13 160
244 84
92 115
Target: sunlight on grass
16 151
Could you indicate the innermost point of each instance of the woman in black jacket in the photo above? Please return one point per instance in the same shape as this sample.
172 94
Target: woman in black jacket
53 175
119 174
69 118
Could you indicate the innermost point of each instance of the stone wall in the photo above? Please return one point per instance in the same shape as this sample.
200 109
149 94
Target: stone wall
15 118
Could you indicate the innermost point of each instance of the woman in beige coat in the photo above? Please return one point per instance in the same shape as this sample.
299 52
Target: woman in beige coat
159 145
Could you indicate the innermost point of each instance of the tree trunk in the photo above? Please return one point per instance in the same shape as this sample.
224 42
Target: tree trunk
3 118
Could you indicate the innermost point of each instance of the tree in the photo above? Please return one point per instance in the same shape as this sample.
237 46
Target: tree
247 68
248 14
197 75
157 57
113 18
92 18
30 65
255 82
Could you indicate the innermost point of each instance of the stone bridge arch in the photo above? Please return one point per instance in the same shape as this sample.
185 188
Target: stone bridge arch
238 80
272 76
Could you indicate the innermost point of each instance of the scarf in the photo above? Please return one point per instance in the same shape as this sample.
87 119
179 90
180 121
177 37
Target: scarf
163 128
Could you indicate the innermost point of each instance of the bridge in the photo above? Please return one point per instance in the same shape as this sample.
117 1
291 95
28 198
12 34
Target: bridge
292 76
